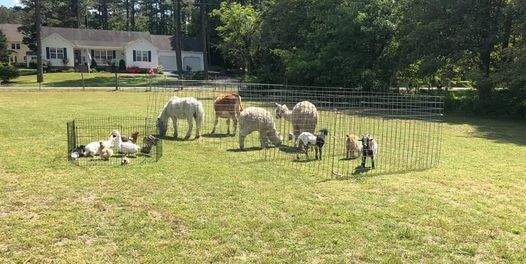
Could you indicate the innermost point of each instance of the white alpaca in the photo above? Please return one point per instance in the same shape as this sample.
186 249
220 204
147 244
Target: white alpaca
258 119
188 108
124 147
304 117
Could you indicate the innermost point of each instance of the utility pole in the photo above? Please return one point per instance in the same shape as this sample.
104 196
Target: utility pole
38 25
204 22
178 38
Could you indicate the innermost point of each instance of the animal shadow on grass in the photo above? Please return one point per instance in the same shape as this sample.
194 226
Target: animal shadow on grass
303 160
245 150
218 135
288 149
179 139
353 158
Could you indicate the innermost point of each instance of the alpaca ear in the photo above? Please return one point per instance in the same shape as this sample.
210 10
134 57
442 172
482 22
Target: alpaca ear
278 105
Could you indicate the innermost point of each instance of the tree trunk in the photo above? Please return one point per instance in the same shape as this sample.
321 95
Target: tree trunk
132 14
127 3
178 38
40 69
204 21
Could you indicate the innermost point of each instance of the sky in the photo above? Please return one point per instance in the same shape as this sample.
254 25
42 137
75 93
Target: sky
9 3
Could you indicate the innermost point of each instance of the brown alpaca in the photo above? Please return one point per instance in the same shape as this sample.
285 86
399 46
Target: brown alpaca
227 106
132 138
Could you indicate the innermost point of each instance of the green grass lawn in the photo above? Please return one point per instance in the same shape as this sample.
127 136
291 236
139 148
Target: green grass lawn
99 79
201 203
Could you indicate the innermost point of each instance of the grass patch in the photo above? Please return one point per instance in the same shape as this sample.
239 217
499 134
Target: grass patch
195 206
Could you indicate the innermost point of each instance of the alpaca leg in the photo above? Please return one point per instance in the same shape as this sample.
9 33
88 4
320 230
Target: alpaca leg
235 124
316 149
174 122
215 125
228 126
241 141
190 128
263 139
372 161
197 129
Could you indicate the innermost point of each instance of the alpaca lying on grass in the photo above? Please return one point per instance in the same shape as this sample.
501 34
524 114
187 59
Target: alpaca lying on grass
93 149
258 119
227 106
303 117
176 108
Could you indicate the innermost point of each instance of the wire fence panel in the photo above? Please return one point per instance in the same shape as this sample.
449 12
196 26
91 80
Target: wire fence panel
83 132
406 128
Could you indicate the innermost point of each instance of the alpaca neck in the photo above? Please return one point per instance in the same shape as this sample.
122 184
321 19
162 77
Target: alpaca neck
287 115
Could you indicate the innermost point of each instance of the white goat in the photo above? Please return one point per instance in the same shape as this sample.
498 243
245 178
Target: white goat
188 108
307 140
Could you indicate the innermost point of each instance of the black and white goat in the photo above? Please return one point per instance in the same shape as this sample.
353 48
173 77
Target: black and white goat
306 140
369 149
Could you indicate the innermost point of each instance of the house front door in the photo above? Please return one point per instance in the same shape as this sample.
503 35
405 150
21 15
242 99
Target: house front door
77 57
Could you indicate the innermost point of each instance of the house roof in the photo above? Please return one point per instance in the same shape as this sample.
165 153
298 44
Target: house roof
11 32
116 39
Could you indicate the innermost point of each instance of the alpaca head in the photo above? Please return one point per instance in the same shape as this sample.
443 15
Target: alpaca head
162 127
281 110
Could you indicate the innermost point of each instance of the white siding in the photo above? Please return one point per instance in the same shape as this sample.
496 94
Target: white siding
143 45
55 41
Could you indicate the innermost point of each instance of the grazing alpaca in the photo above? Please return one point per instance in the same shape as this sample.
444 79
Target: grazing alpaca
304 117
369 149
188 108
258 119
124 147
307 140
227 106
352 145
105 152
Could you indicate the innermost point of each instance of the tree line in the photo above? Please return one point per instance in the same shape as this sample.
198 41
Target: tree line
374 44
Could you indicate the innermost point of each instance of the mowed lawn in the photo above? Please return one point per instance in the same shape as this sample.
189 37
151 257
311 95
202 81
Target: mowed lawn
201 203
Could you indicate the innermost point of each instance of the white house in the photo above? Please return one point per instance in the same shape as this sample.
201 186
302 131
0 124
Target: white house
69 47
18 50
72 46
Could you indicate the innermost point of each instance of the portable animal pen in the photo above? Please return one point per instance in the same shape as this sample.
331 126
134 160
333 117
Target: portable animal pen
117 134
405 128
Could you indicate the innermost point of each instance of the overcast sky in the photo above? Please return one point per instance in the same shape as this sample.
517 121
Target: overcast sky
9 3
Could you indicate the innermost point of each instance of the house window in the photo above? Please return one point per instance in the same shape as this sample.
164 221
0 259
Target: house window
142 55
25 58
13 46
102 56
18 46
56 53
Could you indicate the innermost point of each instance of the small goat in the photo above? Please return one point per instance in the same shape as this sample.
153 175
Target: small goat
369 149
352 145
306 140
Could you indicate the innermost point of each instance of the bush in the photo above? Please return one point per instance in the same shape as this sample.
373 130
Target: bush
133 70
8 72
122 65
502 104
160 69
